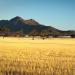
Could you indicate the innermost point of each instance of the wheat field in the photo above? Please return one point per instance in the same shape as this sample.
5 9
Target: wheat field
24 56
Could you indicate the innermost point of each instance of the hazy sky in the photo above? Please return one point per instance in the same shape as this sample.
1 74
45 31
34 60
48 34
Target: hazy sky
56 13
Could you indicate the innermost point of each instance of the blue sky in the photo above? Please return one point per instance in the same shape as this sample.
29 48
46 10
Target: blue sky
56 13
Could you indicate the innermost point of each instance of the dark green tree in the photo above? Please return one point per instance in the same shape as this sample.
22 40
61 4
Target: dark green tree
5 31
44 34
55 34
20 33
72 35
33 33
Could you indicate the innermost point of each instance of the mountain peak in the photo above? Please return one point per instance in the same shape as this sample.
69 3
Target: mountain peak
31 22
16 18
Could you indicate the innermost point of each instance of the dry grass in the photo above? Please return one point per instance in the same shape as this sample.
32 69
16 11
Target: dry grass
22 56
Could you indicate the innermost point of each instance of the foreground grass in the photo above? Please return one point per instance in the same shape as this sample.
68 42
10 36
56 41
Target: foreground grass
22 56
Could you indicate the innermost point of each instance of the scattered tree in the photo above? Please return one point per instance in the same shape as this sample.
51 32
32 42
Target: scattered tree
33 33
5 32
44 34
73 36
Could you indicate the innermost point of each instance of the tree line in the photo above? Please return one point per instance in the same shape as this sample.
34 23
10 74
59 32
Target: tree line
5 32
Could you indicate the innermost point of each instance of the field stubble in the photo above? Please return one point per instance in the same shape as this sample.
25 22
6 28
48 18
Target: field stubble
24 56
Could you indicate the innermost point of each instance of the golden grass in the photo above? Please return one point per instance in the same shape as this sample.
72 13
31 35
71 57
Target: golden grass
24 56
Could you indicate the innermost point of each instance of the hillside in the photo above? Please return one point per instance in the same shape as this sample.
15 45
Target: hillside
18 24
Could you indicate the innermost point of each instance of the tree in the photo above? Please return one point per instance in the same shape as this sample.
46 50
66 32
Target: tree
73 36
20 32
55 34
33 33
5 31
44 34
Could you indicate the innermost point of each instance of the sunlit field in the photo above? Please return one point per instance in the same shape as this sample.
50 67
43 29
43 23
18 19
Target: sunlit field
24 56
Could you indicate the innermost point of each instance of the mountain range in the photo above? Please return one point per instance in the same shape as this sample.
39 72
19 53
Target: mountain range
17 24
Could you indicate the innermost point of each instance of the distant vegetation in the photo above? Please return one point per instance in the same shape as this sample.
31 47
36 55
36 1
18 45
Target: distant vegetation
20 27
